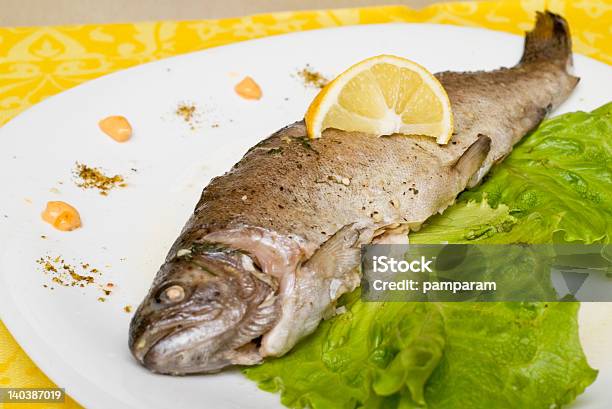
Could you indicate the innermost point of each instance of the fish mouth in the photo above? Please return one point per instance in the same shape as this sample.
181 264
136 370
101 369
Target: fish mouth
182 351
147 332
203 345
146 343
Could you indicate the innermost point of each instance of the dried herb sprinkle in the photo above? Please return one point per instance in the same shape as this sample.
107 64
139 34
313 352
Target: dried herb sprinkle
93 178
312 78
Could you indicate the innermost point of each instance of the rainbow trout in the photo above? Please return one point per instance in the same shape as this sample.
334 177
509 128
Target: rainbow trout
274 242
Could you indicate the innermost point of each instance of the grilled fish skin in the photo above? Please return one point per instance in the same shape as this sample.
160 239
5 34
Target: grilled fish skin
273 243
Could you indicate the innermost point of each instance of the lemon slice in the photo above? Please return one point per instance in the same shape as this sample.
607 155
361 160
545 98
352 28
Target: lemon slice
383 95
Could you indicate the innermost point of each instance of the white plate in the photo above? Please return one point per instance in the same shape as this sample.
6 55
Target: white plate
82 343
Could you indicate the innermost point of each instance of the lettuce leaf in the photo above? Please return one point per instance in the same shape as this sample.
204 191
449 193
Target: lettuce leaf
435 355
559 180
556 185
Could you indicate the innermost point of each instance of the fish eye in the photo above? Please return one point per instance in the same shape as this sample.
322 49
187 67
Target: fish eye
171 294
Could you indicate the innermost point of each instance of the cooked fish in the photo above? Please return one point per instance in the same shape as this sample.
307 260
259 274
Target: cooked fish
273 243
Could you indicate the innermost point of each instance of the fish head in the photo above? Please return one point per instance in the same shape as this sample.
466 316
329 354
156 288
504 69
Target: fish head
205 311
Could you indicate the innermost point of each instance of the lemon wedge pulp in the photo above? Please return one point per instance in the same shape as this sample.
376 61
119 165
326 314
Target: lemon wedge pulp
383 95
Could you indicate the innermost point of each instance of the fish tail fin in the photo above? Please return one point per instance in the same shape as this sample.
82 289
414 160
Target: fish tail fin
549 40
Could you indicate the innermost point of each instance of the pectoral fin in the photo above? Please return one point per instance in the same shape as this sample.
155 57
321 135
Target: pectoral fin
338 254
330 272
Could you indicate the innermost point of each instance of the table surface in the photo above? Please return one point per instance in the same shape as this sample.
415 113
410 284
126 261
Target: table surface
45 12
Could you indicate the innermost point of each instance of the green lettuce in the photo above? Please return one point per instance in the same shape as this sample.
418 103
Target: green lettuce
435 355
555 186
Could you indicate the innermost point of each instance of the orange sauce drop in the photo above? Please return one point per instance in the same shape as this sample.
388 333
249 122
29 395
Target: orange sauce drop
62 216
117 127
248 89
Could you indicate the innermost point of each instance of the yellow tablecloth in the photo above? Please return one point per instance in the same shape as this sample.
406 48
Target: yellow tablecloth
41 61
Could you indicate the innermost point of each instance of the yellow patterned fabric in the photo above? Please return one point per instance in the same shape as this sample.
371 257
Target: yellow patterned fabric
37 62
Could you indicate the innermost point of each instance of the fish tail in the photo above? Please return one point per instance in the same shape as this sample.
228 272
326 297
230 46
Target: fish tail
549 40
